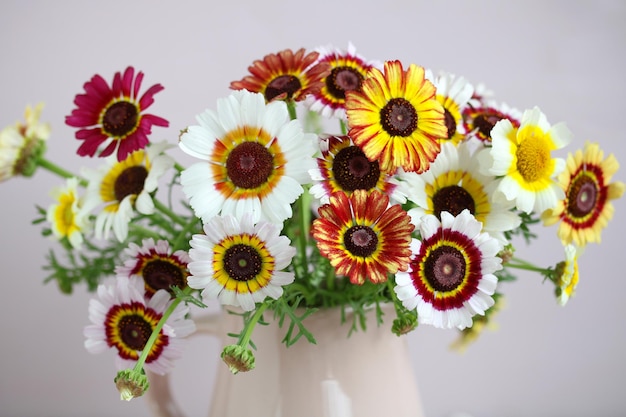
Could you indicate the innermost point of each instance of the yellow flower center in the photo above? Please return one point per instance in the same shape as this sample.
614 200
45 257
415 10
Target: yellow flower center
533 157
65 214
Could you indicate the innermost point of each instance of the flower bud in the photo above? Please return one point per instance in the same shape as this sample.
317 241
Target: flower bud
131 384
238 358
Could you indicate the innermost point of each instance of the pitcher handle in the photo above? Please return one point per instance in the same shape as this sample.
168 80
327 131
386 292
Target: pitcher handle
160 398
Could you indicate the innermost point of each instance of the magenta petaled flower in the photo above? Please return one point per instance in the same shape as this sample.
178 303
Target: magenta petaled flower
114 113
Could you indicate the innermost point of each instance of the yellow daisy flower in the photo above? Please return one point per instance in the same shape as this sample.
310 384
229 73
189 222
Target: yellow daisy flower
66 217
396 118
586 209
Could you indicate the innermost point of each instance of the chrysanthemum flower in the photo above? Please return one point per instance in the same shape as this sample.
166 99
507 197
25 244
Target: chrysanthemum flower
156 265
124 187
587 208
479 120
523 157
453 93
285 76
123 320
347 72
67 217
567 274
22 143
115 114
396 119
451 274
239 262
254 159
362 236
454 183
344 167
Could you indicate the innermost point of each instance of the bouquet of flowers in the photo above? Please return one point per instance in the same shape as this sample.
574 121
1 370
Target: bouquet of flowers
415 198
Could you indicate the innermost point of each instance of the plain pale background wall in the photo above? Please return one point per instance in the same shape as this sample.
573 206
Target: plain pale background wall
565 56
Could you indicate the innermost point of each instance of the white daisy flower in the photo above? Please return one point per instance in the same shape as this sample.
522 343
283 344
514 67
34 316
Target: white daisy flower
454 183
453 92
125 187
523 157
156 265
254 159
238 262
22 142
123 320
67 217
567 280
451 274
347 72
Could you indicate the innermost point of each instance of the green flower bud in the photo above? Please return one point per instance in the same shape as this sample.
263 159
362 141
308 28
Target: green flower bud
404 324
131 384
238 358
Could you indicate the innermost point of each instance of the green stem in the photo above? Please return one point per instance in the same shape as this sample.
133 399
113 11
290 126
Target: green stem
157 330
291 107
169 213
143 231
304 215
518 263
246 334
178 167
394 298
184 234
343 127
330 278
57 170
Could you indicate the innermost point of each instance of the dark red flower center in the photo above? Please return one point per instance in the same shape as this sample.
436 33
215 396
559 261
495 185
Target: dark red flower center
353 171
286 85
445 268
130 182
448 119
342 79
249 165
242 262
120 119
454 200
161 274
134 331
582 196
398 117
360 241
484 119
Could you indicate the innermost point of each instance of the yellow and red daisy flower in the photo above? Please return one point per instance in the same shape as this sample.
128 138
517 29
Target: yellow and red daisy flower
238 262
587 208
396 119
285 76
347 72
451 273
156 265
480 119
344 167
123 320
115 114
362 236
